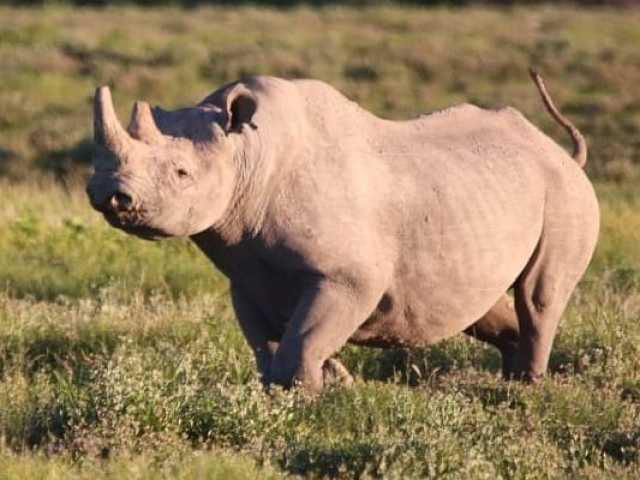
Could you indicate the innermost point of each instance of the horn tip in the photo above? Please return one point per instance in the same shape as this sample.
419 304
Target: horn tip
142 124
103 93
140 106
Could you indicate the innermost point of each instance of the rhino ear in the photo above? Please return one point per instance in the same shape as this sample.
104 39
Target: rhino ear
241 104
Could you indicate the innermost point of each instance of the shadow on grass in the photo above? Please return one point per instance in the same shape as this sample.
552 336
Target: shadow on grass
67 164
64 164
92 58
413 366
355 457
6 158
456 358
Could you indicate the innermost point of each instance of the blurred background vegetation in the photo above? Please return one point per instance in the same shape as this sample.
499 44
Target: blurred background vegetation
398 61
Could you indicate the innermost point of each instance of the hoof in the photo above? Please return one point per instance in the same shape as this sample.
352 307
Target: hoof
335 373
524 376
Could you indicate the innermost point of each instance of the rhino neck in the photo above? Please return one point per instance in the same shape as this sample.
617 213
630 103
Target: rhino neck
262 159
264 153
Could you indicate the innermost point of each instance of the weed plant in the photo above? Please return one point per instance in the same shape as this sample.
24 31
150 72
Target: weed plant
121 358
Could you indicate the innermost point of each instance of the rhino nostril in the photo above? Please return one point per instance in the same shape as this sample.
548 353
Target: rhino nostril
120 202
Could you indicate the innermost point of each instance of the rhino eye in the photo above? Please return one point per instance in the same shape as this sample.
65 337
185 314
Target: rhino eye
182 173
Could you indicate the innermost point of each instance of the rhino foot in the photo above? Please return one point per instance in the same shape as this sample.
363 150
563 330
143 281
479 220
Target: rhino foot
335 373
522 375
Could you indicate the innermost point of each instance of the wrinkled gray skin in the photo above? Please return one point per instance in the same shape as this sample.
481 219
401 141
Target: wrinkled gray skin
336 226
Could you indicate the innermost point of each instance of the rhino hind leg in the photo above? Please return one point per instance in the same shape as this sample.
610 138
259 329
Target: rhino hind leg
539 305
541 295
499 327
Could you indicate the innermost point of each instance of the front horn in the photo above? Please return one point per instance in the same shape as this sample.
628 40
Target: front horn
107 130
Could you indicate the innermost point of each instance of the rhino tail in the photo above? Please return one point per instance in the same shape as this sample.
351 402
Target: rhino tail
579 143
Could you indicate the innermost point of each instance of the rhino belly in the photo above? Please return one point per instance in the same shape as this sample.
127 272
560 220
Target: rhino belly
401 321
444 286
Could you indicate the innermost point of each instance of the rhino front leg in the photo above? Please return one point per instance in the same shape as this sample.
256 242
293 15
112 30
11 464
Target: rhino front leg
499 327
325 318
257 331
261 339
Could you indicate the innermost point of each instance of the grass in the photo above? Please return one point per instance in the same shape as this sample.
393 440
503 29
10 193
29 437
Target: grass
68 254
122 359
180 465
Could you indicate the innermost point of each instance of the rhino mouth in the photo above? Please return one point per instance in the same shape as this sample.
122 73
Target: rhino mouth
134 224
121 212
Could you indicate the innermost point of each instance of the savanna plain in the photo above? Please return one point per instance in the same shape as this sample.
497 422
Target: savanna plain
122 359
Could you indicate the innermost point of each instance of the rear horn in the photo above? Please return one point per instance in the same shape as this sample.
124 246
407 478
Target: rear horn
142 125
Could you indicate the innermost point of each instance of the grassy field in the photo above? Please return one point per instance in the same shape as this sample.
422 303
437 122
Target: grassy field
122 359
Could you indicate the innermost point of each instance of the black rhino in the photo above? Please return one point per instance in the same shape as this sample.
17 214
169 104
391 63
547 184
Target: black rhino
336 226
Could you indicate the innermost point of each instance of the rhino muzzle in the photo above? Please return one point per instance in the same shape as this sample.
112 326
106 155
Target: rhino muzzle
121 202
117 203
118 147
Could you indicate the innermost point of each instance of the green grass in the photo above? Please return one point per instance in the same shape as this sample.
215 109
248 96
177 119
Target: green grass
60 248
122 359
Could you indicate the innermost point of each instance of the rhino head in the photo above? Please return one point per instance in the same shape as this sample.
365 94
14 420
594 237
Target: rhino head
169 173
